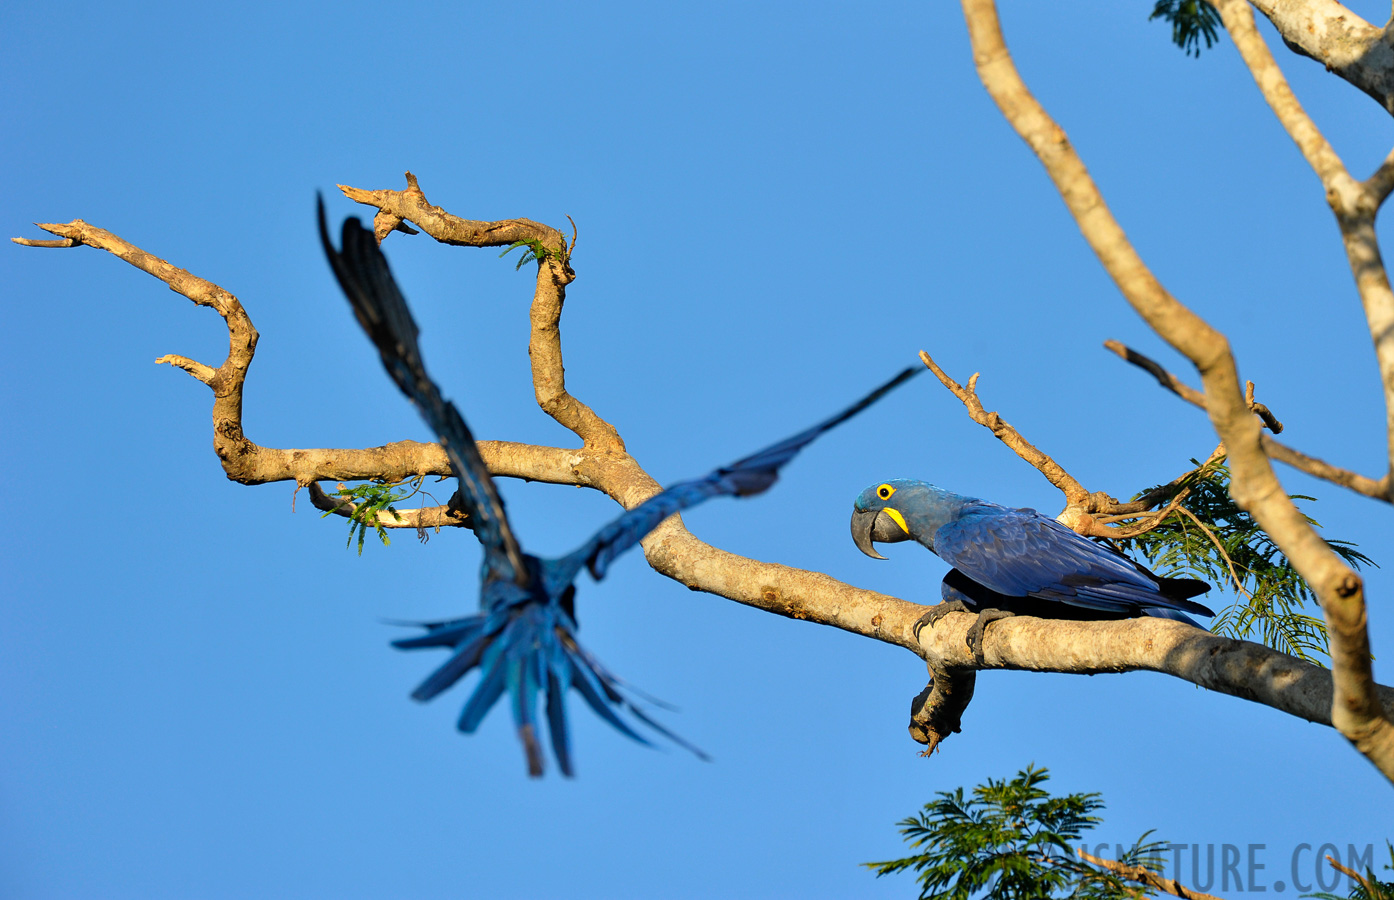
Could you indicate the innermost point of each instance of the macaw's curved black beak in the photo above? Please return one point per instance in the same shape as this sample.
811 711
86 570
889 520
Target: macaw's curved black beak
874 525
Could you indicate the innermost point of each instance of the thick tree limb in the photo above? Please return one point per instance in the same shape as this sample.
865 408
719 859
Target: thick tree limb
1356 710
1333 35
1238 668
1143 876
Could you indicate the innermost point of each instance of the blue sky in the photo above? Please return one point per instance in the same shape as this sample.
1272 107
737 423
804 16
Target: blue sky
778 206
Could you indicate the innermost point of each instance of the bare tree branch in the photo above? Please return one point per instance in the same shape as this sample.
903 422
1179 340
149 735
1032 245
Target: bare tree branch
58 244
1355 203
246 462
554 273
1333 35
1088 513
1075 494
1143 876
1164 378
1374 489
1352 875
1355 708
442 516
1238 668
1265 414
1241 669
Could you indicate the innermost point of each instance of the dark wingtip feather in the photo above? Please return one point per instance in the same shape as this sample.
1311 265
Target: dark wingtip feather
532 749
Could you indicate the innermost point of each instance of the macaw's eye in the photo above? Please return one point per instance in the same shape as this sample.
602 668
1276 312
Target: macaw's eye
885 491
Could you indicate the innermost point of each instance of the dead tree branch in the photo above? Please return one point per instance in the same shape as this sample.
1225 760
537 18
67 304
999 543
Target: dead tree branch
1370 487
442 516
1164 378
554 273
1087 513
1075 494
1355 707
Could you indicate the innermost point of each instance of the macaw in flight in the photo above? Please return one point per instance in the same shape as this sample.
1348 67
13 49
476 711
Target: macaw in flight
1014 561
523 640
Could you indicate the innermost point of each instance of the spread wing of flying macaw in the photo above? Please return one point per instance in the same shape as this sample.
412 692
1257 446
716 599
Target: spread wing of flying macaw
1015 561
523 640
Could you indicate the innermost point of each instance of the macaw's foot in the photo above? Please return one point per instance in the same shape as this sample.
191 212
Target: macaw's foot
975 634
937 612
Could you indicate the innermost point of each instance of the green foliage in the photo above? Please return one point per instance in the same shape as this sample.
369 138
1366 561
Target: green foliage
1220 543
1367 888
1191 20
1011 840
535 252
369 500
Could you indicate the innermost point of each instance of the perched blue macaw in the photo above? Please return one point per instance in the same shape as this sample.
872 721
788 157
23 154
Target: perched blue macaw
1015 561
524 638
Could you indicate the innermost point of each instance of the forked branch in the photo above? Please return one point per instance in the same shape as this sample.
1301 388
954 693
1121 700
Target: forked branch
1245 670
1356 709
554 273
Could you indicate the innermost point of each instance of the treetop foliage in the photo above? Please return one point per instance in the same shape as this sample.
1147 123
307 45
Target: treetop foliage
1011 841
1191 21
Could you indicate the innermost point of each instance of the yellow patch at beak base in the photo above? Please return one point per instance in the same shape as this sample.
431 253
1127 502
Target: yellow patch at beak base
899 519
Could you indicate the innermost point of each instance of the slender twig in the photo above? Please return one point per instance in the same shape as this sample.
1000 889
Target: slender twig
59 244
1164 378
1377 489
1352 874
1074 492
1233 575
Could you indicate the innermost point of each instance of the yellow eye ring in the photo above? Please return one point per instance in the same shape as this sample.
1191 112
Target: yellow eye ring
885 491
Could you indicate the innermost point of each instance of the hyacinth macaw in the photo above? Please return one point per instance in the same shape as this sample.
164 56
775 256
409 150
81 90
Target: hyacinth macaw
524 638
1014 561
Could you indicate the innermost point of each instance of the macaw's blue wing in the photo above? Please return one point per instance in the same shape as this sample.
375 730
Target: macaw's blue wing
743 478
382 311
1021 553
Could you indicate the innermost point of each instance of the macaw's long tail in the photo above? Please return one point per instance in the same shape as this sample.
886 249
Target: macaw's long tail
529 650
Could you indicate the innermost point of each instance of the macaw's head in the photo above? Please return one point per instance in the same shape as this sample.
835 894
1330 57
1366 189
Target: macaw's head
899 510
